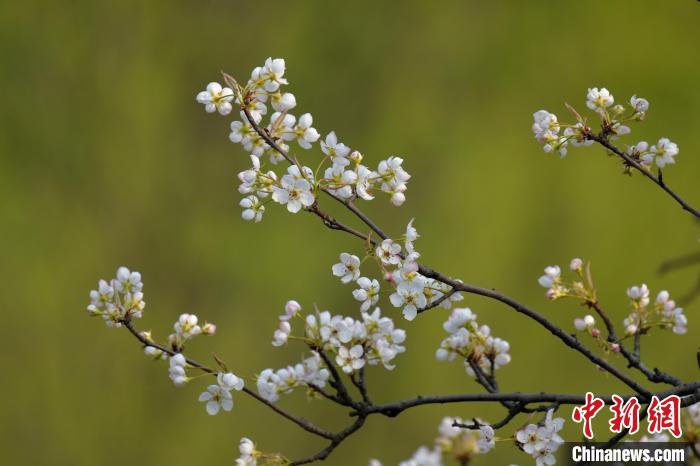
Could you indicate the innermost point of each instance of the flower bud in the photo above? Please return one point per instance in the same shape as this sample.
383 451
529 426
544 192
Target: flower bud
576 264
355 156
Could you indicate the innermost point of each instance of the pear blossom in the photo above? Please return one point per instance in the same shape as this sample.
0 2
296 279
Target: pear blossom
348 269
365 182
337 151
350 359
310 372
291 309
639 295
216 98
575 265
252 208
388 252
216 397
186 328
294 191
274 72
283 102
242 133
639 104
599 100
394 179
340 181
550 277
229 381
119 299
473 342
662 153
545 126
281 335
541 440
367 293
410 296
304 133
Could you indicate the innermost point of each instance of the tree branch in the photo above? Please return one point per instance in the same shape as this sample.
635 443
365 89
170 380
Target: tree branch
629 161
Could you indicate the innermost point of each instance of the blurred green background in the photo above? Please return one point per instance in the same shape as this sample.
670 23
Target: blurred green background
106 159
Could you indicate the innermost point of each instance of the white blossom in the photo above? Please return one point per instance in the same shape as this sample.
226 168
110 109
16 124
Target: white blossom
216 98
294 191
186 327
473 343
541 441
599 100
291 309
639 104
350 359
337 151
639 295
229 381
348 269
388 252
216 397
283 102
281 335
365 182
304 133
394 179
340 181
367 293
662 153
252 208
410 296
119 299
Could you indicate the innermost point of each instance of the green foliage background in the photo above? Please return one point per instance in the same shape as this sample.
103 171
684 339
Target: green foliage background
105 159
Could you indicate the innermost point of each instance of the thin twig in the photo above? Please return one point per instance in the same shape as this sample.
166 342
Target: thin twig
301 422
629 161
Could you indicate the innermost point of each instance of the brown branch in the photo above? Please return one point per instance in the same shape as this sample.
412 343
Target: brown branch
335 442
300 421
569 340
632 358
602 139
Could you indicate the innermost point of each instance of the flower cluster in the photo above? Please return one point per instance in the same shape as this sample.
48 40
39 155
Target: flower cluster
643 315
187 327
614 119
311 372
398 265
344 177
663 313
541 440
454 442
474 343
581 287
119 299
462 443
349 343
